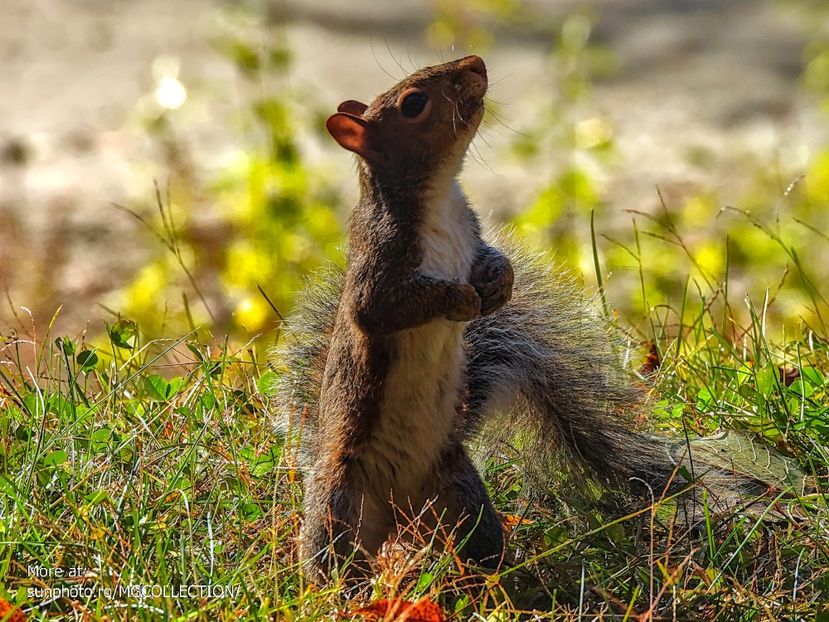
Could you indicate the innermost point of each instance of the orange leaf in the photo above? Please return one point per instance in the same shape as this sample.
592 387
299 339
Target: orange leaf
7 608
397 610
511 521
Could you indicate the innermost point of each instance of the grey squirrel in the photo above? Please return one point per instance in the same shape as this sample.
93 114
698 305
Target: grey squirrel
391 366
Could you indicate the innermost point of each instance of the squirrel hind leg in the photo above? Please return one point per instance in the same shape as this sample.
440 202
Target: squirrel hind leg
466 508
343 526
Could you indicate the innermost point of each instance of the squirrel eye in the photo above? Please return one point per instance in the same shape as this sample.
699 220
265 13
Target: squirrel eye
413 104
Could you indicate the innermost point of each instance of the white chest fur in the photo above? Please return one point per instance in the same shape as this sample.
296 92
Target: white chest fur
448 237
422 389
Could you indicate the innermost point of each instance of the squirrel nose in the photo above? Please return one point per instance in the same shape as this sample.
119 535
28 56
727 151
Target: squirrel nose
475 64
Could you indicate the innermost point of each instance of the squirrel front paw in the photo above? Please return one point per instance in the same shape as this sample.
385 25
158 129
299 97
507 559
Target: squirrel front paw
492 278
464 303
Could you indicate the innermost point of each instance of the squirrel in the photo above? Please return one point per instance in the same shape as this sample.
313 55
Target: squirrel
393 365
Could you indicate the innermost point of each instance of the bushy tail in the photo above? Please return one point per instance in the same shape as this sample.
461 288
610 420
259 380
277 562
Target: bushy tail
547 367
551 365
300 360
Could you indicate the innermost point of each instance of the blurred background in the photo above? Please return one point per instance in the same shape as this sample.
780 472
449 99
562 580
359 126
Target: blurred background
163 162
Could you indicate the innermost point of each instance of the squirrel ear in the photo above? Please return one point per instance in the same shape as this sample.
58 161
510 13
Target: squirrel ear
351 132
352 107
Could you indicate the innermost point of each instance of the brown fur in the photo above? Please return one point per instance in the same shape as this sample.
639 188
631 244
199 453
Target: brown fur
381 441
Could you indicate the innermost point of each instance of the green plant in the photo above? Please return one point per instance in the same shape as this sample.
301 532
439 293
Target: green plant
236 246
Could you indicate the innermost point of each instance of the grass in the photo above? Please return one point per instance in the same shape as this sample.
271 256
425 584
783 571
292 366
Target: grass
144 467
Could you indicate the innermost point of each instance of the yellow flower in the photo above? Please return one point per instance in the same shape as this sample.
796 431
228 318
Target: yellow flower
251 313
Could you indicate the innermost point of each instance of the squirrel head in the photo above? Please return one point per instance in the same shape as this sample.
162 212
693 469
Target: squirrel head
419 129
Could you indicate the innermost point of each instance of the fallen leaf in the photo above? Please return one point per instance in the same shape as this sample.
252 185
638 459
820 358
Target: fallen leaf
511 521
397 610
6 609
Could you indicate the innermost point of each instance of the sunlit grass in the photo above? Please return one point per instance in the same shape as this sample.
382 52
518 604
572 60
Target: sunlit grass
156 464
